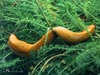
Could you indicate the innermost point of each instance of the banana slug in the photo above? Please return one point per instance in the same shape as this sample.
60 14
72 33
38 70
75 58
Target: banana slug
74 37
22 48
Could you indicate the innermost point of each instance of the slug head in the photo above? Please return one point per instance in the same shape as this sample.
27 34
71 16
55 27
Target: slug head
19 47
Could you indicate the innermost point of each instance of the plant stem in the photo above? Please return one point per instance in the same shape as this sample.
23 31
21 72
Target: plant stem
43 14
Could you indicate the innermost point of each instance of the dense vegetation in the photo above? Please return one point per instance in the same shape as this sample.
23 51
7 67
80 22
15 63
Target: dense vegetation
29 22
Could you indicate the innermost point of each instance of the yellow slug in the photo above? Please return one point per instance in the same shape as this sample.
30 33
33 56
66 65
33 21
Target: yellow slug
22 48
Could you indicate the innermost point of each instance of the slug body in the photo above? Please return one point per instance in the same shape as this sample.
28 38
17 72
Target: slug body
74 37
19 47
22 48
46 39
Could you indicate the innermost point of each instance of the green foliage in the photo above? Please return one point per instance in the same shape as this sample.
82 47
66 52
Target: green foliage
4 63
29 22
